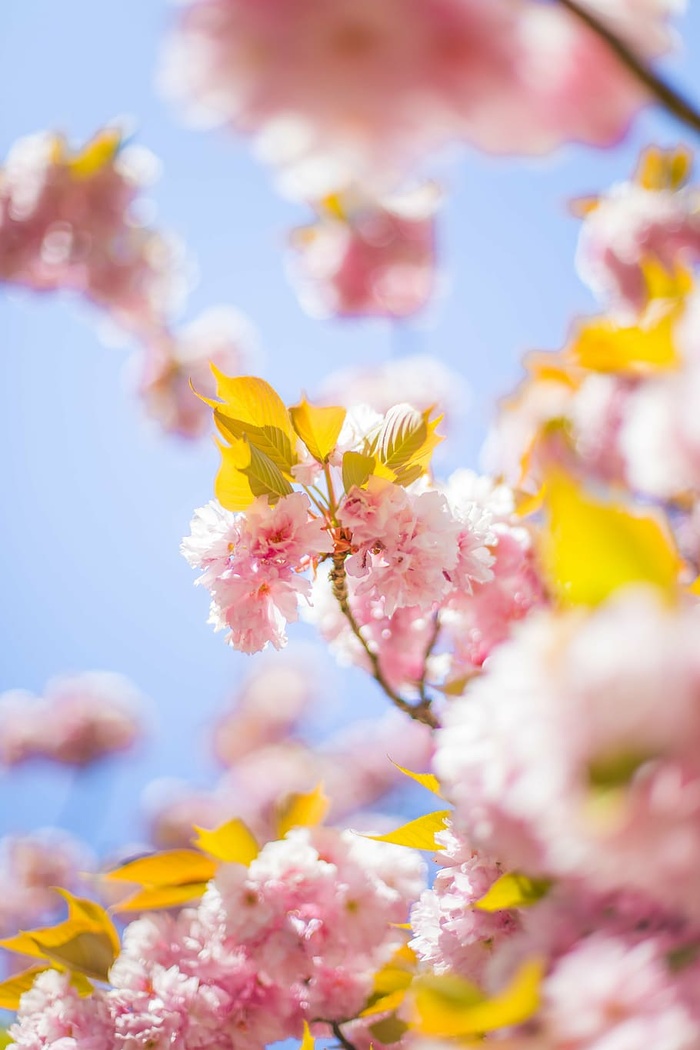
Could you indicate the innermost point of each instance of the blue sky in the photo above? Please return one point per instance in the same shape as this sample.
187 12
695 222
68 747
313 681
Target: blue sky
94 504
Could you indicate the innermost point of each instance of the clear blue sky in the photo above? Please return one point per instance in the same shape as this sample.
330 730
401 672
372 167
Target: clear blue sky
94 505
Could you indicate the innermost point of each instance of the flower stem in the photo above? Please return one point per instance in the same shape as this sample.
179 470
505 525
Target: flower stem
662 91
422 711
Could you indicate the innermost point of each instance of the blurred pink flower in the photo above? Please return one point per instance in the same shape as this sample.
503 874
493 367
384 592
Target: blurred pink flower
355 92
368 259
174 362
69 221
79 720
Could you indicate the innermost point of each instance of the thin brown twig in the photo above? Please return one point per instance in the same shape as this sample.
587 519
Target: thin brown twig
344 1042
422 711
671 99
432 642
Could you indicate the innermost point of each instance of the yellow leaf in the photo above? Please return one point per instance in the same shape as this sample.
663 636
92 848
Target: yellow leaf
513 890
303 810
307 1041
252 402
97 154
232 842
397 973
385 1003
318 427
246 473
602 346
418 834
590 548
448 1006
426 780
12 989
171 868
154 897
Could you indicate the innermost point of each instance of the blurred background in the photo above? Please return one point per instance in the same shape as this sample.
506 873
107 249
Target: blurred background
95 501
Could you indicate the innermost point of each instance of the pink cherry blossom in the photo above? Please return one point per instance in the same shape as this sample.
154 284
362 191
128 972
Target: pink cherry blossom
448 933
575 753
419 380
406 544
370 260
30 867
77 721
68 221
251 565
176 362
349 92
630 226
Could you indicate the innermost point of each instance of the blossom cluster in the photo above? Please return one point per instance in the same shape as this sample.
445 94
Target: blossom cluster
78 720
296 935
414 579
353 93
73 221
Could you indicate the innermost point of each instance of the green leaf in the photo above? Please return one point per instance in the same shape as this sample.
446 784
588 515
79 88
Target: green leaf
357 468
513 890
318 427
418 834
405 443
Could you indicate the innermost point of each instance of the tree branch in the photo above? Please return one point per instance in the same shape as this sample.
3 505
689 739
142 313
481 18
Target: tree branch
422 711
661 90
345 1043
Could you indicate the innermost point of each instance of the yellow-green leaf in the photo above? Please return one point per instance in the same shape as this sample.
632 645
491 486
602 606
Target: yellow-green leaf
273 442
447 1006
318 427
419 833
303 810
86 942
389 1030
513 890
13 988
232 842
426 780
252 400
590 548
86 952
151 898
357 468
406 441
170 868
